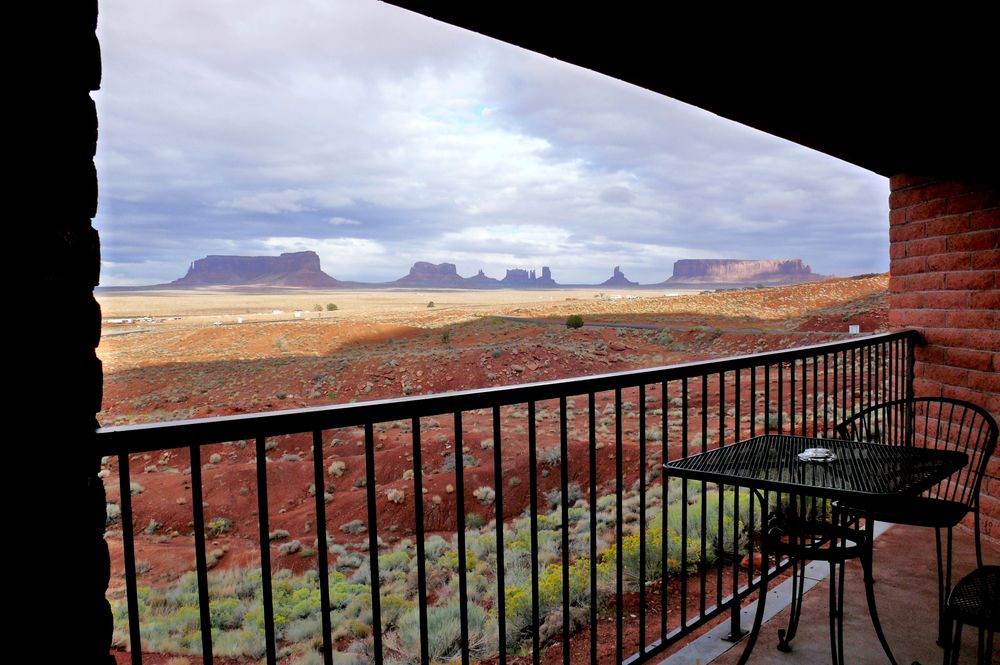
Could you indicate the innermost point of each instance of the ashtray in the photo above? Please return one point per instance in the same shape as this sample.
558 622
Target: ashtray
817 455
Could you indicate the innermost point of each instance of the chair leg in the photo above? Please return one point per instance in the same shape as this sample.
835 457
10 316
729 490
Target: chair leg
785 636
979 545
866 563
956 643
943 634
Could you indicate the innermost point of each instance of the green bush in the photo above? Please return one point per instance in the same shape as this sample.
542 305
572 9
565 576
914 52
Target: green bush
574 321
330 307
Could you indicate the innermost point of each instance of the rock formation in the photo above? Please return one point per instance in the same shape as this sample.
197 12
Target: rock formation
518 278
299 269
618 279
431 275
741 271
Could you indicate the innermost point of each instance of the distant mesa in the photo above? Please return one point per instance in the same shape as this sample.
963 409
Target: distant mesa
295 269
741 271
431 275
618 279
518 278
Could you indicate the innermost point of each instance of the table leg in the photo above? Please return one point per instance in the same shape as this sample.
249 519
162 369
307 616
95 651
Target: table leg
866 563
758 618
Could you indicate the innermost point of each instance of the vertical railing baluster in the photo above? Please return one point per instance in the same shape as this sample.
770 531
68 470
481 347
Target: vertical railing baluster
201 567
619 529
791 397
721 491
564 489
664 503
702 577
128 552
533 498
826 395
753 433
418 517
734 615
373 542
642 518
499 519
265 552
767 399
684 503
592 427
322 546
463 573
805 402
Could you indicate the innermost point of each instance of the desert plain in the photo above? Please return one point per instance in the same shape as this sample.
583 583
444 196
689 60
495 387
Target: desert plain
175 355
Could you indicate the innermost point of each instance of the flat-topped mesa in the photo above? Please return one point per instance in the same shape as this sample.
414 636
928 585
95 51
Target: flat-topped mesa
430 275
742 271
301 269
520 278
618 279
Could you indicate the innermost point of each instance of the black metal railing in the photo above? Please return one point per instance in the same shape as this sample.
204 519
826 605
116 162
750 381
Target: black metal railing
681 556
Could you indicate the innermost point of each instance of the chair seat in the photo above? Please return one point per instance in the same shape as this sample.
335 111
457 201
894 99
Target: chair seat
975 600
918 511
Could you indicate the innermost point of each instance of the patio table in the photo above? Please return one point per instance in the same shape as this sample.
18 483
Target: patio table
864 474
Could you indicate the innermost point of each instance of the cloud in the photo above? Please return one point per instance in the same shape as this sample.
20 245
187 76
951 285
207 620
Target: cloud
357 122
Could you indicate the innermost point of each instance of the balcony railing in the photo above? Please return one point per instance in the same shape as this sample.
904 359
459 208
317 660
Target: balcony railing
682 556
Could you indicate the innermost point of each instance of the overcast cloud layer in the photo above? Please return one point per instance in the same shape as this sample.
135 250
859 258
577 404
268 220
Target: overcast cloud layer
378 138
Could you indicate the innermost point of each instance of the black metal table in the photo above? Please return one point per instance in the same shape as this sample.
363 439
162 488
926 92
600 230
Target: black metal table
865 475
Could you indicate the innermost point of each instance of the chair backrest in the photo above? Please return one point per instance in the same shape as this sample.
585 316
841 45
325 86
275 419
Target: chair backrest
932 422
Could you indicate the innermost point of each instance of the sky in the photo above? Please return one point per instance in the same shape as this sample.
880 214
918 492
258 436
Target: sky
377 138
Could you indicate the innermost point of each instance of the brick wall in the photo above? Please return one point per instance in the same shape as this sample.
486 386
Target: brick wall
944 265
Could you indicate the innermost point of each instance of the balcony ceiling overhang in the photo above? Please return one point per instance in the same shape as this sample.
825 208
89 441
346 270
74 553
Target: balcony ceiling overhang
902 97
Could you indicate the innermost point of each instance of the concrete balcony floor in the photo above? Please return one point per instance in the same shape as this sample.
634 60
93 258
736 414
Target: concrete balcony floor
906 594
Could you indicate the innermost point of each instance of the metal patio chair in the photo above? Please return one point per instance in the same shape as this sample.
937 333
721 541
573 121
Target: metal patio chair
975 602
932 422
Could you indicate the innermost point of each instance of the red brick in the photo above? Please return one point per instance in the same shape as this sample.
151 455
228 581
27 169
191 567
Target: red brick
949 261
932 281
903 181
947 299
963 393
988 260
908 266
989 506
969 280
896 284
986 381
900 318
897 217
978 360
985 219
944 226
980 200
971 242
927 210
907 232
929 318
926 387
981 299
982 339
897 250
976 318
948 375
926 246
906 300
931 354
940 189
903 198
950 337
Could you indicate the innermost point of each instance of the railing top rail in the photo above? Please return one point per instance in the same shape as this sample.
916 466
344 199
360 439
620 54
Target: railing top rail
202 431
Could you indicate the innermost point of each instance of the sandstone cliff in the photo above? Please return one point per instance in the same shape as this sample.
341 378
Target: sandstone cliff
298 269
618 279
741 271
432 275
